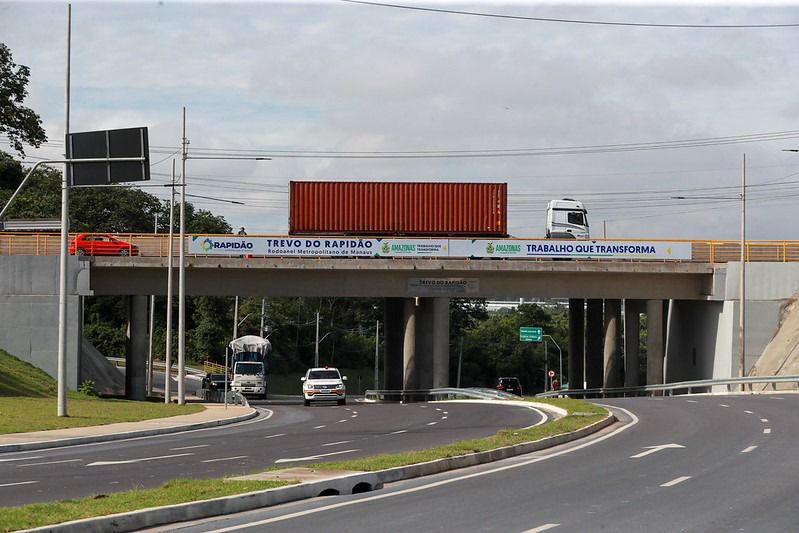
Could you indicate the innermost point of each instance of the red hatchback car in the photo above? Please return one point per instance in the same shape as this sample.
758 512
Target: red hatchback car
100 244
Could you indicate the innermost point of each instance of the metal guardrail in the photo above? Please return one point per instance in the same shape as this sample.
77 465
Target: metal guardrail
156 245
447 393
690 387
218 396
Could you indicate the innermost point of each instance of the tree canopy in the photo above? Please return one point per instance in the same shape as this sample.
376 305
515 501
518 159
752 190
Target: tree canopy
20 124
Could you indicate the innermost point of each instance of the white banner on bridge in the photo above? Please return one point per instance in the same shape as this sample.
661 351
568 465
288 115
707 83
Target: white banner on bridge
288 246
571 249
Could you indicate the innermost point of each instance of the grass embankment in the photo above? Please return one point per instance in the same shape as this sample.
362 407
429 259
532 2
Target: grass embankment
28 403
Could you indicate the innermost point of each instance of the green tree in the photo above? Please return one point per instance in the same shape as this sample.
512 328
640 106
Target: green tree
20 124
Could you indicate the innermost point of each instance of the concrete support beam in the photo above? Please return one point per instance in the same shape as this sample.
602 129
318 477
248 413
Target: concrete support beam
425 328
576 342
440 342
136 356
655 342
632 340
612 344
393 335
409 370
593 343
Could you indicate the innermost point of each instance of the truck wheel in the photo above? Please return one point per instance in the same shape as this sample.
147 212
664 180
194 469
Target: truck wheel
307 403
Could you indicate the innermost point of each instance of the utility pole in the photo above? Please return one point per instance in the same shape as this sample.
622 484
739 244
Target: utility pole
316 346
152 325
168 348
182 271
263 307
377 347
742 315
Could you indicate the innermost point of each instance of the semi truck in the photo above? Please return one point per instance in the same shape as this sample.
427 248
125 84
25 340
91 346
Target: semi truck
248 365
418 209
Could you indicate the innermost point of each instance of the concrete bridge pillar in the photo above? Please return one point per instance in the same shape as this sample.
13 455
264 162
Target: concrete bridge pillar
593 344
632 355
440 341
393 335
612 361
655 342
576 342
136 356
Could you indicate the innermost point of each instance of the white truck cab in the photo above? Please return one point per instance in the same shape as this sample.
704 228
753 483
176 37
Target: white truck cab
567 219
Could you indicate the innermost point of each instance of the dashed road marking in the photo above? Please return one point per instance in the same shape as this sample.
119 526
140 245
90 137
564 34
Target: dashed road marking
675 481
748 412
188 447
398 432
320 427
342 420
764 419
432 423
691 401
312 457
130 461
51 462
749 449
337 443
17 483
22 458
224 459
723 405
541 528
275 435
766 431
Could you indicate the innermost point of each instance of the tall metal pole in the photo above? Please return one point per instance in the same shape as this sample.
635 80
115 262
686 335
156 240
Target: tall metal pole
742 316
236 319
152 327
168 348
316 347
263 308
460 360
62 280
377 348
182 272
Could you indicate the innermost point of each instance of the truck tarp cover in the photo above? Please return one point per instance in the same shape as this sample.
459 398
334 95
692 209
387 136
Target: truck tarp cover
251 344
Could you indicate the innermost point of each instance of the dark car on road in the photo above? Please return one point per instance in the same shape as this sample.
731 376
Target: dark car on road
510 385
214 381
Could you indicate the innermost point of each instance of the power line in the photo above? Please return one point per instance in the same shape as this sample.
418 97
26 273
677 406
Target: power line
572 21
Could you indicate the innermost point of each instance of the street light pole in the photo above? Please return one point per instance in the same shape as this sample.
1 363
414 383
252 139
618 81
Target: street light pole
168 347
182 271
742 316
560 358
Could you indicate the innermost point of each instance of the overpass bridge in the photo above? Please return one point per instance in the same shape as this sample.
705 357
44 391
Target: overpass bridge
691 304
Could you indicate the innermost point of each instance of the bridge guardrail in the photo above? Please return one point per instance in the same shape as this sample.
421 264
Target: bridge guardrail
704 385
445 393
156 245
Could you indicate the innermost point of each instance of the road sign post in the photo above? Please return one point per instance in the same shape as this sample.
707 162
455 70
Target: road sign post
527 334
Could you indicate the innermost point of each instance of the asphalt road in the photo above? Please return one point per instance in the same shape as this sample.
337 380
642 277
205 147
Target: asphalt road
696 464
285 433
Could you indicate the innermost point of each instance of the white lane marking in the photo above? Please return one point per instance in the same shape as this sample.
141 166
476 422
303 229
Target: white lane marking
337 443
320 427
777 398
22 458
432 423
653 449
691 401
766 431
188 447
748 412
444 418
312 457
675 481
541 528
723 405
342 420
130 461
434 484
275 435
438 408
749 449
354 416
764 419
224 459
51 462
446 412
17 483
398 432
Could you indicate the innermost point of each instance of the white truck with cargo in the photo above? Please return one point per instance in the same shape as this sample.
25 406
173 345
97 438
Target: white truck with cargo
248 365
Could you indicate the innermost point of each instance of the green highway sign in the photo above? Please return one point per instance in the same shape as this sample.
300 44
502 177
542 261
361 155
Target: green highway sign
531 334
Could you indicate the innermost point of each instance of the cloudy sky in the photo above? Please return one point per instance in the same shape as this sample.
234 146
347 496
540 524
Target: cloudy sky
621 116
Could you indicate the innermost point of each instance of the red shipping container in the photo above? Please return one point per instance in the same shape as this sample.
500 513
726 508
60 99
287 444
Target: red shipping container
398 209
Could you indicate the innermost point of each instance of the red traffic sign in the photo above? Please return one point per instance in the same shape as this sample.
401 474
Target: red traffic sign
551 373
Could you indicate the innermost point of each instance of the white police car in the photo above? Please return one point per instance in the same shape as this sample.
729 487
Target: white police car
324 384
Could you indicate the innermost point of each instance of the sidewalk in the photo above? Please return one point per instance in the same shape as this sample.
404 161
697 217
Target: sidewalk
214 415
